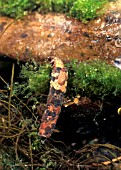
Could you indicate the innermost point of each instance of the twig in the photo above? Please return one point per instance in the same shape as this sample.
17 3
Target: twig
25 105
8 27
108 162
9 102
30 149
3 80
11 136
16 150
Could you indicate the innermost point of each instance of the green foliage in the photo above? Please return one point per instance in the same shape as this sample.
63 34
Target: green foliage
16 8
95 79
55 6
58 6
35 78
7 158
36 144
81 9
44 6
87 9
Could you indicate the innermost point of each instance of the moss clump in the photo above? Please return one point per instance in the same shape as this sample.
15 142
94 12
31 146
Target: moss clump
16 8
35 79
81 9
95 78
87 9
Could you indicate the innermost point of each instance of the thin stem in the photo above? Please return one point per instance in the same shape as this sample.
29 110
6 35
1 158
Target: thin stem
9 102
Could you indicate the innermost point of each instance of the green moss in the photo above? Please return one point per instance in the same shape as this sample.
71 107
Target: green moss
81 9
16 8
95 78
87 9
35 79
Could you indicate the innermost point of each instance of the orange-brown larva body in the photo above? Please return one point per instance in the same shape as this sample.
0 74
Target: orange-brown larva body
58 86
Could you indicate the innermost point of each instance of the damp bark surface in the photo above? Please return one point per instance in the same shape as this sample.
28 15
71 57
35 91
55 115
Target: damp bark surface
41 36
